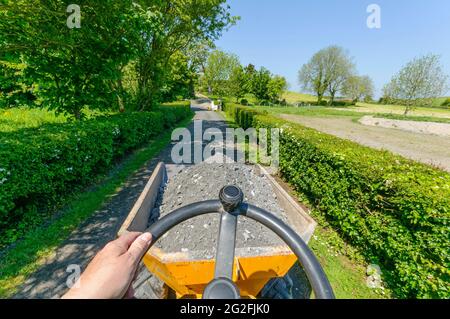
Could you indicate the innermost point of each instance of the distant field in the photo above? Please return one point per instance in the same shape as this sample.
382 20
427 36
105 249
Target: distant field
294 97
439 101
398 109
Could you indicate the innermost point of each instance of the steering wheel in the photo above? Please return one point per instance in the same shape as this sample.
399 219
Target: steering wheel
230 205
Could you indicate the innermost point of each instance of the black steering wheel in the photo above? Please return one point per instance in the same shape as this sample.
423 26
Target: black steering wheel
230 205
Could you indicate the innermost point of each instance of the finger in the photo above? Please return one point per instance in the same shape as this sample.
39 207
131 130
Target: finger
140 246
130 293
124 242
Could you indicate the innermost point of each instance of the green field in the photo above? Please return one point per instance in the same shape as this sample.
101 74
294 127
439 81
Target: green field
294 97
17 118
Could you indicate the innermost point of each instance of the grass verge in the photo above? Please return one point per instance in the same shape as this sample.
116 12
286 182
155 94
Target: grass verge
30 253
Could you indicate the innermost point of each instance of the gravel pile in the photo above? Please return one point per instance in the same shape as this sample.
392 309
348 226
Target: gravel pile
203 182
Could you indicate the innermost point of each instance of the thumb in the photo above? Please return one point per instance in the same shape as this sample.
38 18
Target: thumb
140 246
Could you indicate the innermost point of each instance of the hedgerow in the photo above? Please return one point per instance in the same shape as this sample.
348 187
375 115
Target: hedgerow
40 166
395 210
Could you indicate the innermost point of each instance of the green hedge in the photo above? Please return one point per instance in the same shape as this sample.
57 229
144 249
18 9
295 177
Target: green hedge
40 166
396 210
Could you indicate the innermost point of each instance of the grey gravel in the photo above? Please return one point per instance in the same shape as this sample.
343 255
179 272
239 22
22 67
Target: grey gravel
198 236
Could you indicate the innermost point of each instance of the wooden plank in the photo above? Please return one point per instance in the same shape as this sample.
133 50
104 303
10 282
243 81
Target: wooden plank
139 215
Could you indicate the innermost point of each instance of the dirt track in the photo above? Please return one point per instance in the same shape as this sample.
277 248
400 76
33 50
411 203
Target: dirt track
428 149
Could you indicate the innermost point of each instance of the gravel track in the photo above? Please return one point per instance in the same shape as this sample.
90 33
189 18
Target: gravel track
203 182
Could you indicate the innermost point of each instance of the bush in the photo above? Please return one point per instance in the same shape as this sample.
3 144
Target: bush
343 103
446 102
395 210
40 166
244 102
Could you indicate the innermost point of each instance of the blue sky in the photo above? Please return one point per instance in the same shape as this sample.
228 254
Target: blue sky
283 34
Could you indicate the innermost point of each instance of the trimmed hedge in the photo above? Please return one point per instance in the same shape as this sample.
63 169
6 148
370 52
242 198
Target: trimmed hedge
40 166
396 210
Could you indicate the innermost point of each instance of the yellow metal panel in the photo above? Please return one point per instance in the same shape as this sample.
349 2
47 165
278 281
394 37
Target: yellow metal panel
189 278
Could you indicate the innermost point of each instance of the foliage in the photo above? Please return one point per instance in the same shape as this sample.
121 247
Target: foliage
417 83
75 68
30 253
358 88
41 165
326 71
180 79
239 83
276 87
219 70
395 210
15 89
260 84
446 102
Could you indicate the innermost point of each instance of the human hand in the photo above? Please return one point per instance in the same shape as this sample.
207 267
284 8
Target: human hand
110 274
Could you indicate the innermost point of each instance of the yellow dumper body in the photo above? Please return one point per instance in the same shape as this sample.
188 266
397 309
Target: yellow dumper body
188 275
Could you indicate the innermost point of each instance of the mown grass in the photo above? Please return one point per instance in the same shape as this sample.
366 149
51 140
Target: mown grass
414 118
17 118
294 97
21 117
27 255
357 113
398 109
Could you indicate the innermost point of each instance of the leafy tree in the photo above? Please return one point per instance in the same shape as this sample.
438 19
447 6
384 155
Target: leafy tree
260 84
238 83
327 71
358 88
73 68
179 24
15 88
180 80
417 83
88 66
339 67
276 88
219 70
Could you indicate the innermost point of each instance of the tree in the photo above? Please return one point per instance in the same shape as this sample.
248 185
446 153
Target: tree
358 88
260 84
276 88
417 83
339 67
119 40
327 71
238 85
73 68
173 26
219 69
180 79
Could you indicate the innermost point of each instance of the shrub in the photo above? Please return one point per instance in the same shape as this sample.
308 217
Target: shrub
395 210
343 103
244 102
446 102
40 166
